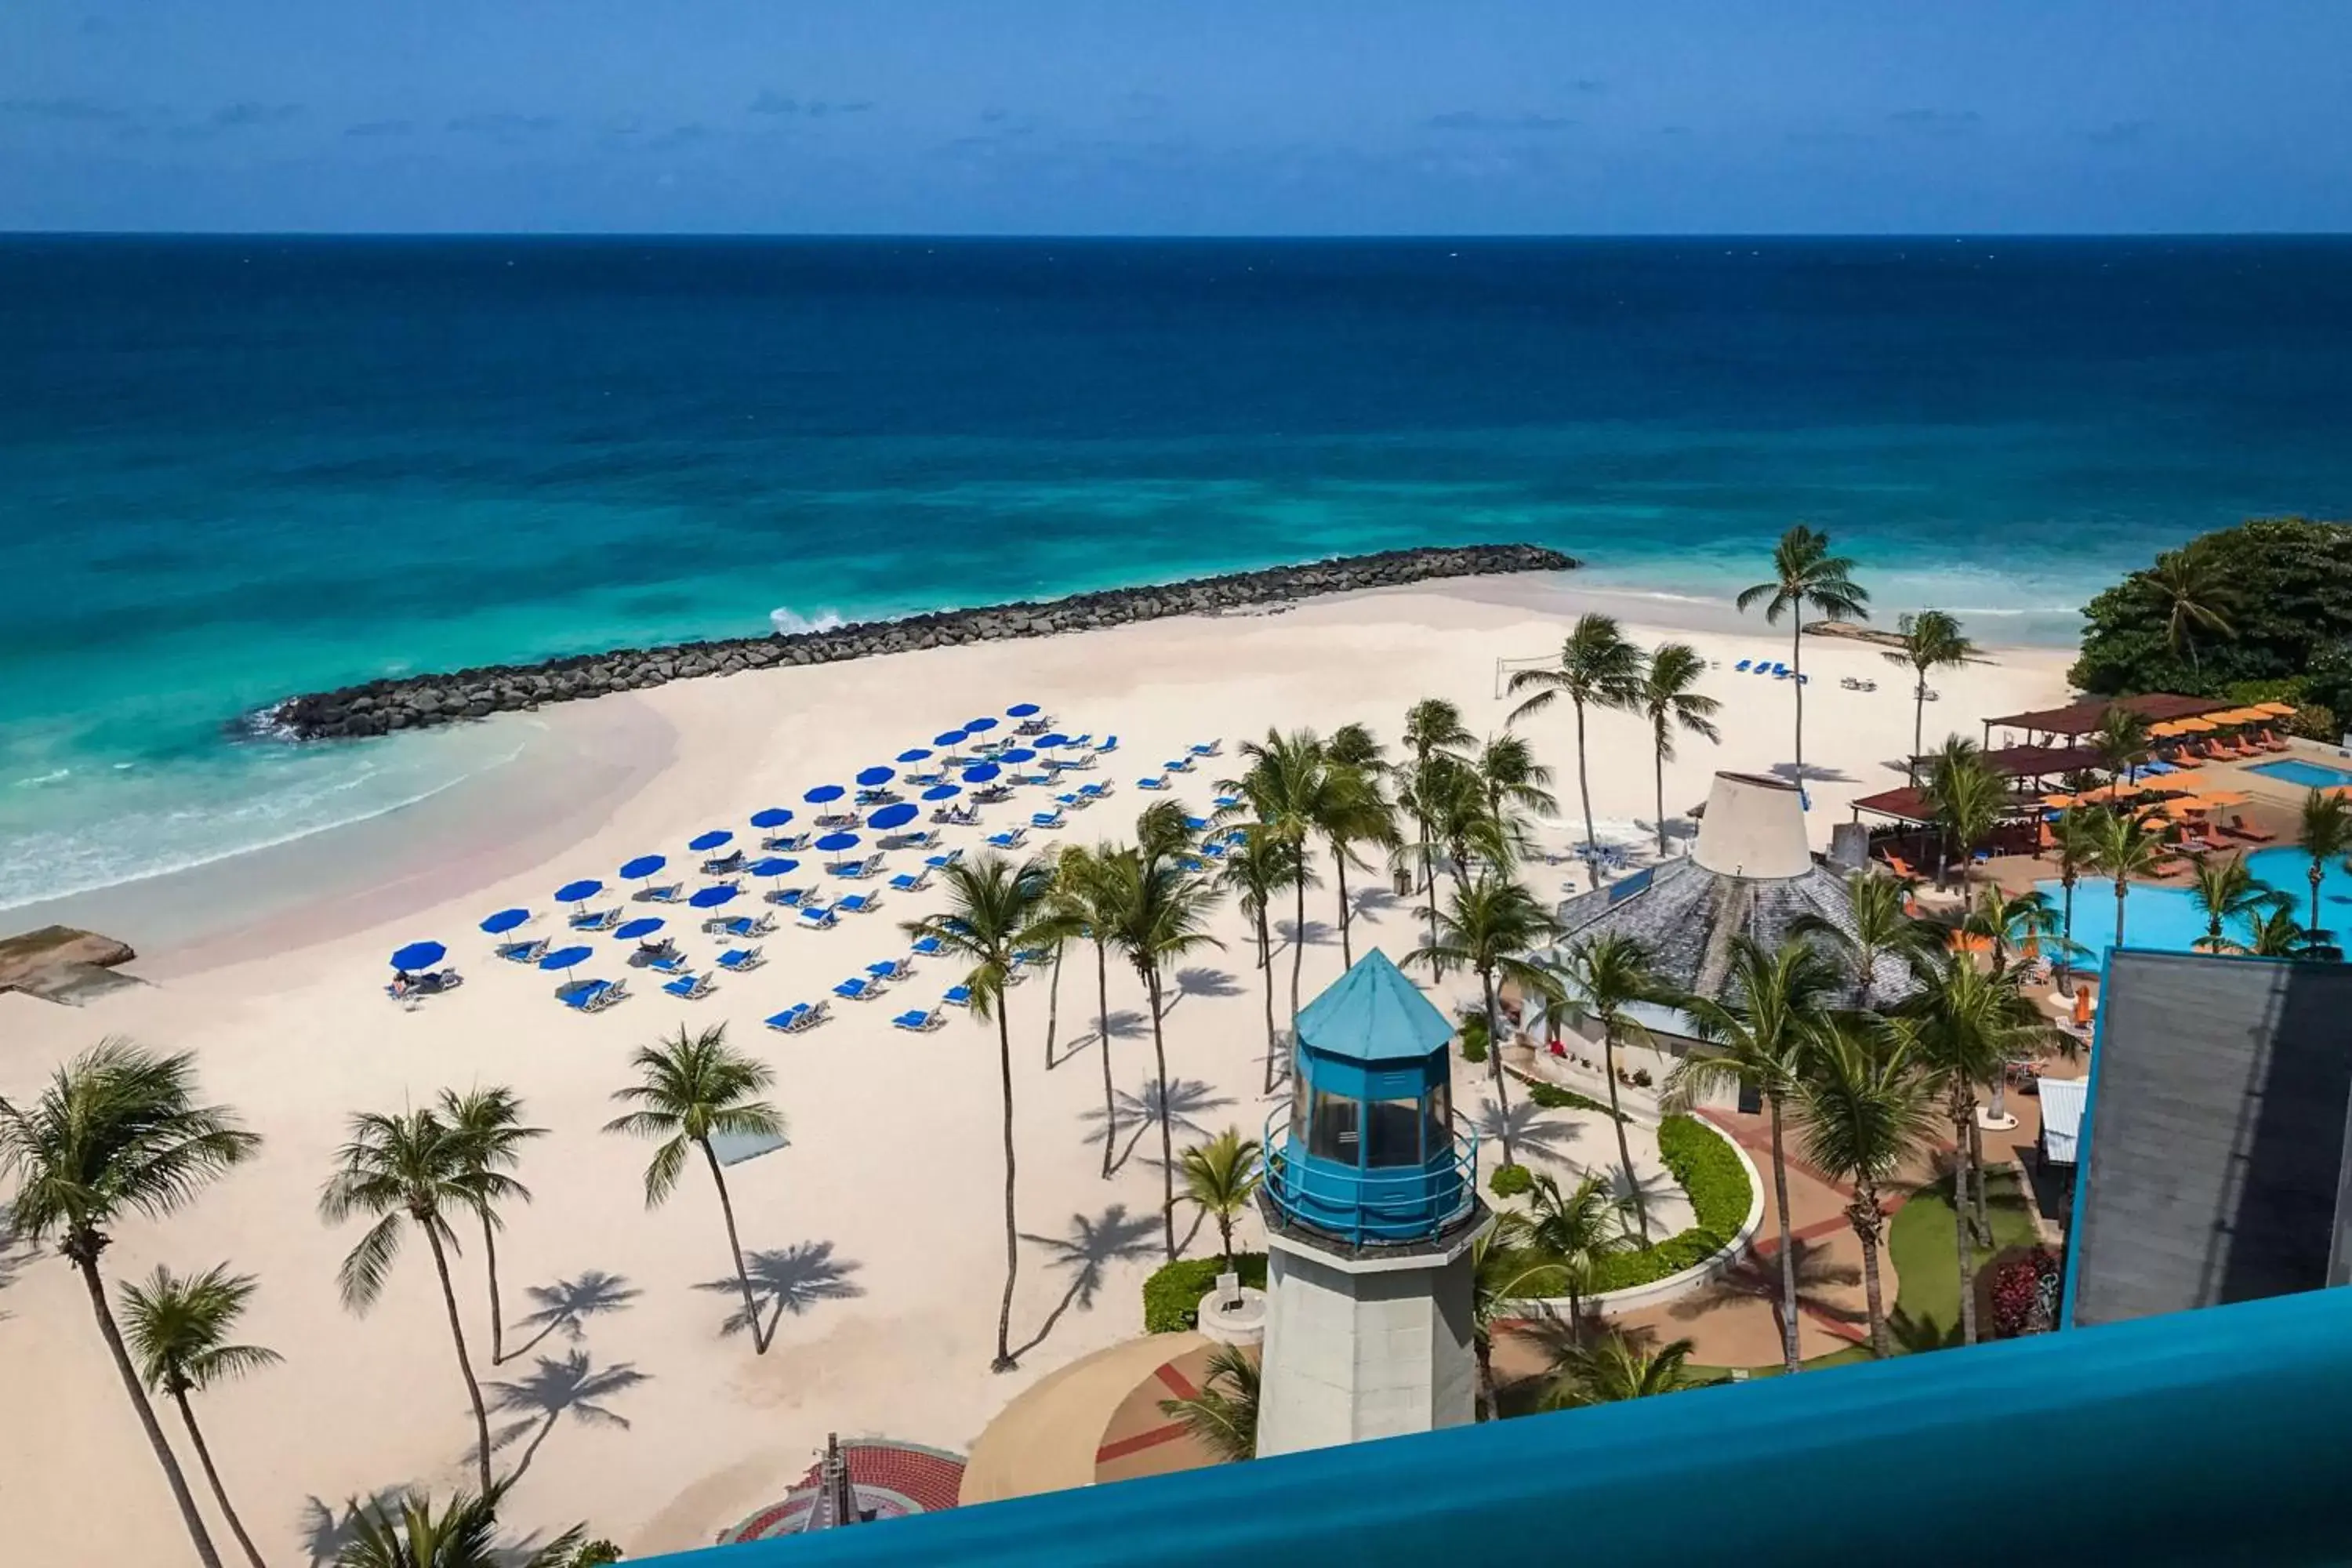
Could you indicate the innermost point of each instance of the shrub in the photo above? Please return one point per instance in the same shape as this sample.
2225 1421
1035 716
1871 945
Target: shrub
1642 1078
1510 1181
1473 1038
2017 1285
1551 1096
1703 1162
1171 1297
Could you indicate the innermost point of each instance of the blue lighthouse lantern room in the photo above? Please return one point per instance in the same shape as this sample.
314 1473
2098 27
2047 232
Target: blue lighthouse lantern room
1373 1154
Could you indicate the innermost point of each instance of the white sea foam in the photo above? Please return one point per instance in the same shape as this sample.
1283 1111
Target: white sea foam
55 776
789 622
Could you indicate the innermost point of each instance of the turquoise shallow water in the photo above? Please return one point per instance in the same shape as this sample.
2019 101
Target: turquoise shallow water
230 468
2168 919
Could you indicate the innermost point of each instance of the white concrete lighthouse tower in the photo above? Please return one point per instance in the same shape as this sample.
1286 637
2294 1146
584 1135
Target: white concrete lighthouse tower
1371 1205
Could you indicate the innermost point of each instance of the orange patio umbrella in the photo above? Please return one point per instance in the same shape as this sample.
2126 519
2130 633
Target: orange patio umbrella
2082 1006
2195 726
2164 732
2239 716
2275 709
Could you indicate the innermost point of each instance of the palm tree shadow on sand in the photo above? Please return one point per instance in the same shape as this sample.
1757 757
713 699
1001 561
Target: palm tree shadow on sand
326 1529
1756 1278
1198 981
1189 1100
1088 1248
565 1307
786 1279
555 1389
1532 1131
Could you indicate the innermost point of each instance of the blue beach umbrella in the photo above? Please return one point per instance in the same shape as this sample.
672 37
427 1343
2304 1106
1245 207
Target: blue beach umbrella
1016 754
505 920
579 892
979 726
980 772
703 843
834 843
774 866
567 958
892 817
419 955
774 816
823 793
952 738
1021 710
914 754
1045 742
711 898
875 777
643 867
944 792
638 930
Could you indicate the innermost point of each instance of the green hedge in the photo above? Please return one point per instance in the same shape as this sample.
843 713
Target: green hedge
1551 1096
1171 1297
1709 1170
1510 1181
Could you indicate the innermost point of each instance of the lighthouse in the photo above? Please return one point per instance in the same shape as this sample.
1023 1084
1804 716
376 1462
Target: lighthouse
1371 1207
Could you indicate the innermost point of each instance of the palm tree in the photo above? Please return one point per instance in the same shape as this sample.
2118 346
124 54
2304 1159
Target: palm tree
2009 920
1966 1025
179 1330
117 1132
2273 933
1932 640
2121 741
1611 1368
464 1534
1491 927
1507 1271
1575 1231
689 1089
1435 738
1253 869
1670 701
1286 789
1805 575
1221 1175
1598 669
1515 785
1773 1009
2124 846
1966 798
1602 977
2226 891
2324 834
993 908
1879 925
1060 920
1082 892
490 1121
1222 1417
2075 837
1352 810
410 1169
2192 589
1158 912
1868 1111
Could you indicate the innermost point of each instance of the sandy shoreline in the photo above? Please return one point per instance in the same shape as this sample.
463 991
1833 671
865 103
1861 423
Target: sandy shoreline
878 1220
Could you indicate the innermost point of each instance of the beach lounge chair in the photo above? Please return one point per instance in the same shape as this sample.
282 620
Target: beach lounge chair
790 898
926 947
1095 791
1741 668
957 996
856 870
1207 748
888 969
911 881
1071 800
668 962
741 926
798 1016
943 859
956 816
858 988
1053 818
1009 839
1900 867
1178 765
2249 832
738 960
858 903
579 996
594 919
1109 745
785 842
816 917
885 796
522 951
1157 780
688 987
664 894
916 1023
1031 957
721 864
1077 761
988 794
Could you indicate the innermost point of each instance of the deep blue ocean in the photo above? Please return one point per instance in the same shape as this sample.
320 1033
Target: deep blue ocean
232 469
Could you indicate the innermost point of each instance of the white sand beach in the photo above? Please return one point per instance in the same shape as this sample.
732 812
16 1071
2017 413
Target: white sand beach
879 1222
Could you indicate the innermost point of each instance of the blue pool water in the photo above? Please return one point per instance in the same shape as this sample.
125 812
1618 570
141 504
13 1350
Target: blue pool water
232 469
2169 919
2303 774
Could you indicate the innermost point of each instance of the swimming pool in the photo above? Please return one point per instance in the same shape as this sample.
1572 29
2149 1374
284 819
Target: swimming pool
2168 919
2303 774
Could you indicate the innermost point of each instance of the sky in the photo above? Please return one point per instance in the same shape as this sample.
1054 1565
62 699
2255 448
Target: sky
1177 117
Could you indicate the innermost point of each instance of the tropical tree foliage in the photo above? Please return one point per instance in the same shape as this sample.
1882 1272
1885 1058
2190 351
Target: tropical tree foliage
180 1330
489 1122
1600 980
1492 928
1932 640
1603 1369
1806 577
1222 1417
1221 1176
1671 702
1868 1111
1597 669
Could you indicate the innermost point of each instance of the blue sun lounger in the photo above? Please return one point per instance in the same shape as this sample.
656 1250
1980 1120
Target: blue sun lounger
816 917
1157 780
858 988
1109 745
737 959
911 881
1741 668
1095 791
790 898
1178 765
926 947
1009 839
594 919
721 864
1053 818
858 903
944 859
688 987
888 969
668 962
798 1016
916 1023
591 996
522 951
1207 748
785 842
741 927
957 996
664 894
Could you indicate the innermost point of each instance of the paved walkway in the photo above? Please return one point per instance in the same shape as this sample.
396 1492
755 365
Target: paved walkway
1048 1438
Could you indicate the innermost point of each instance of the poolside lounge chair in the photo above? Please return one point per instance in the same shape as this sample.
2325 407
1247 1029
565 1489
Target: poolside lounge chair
2249 832
1054 818
858 988
888 969
688 987
1157 780
858 903
791 898
664 894
957 996
916 1023
529 951
926 947
798 1016
2269 741
943 859
816 917
911 881
721 864
1009 839
738 960
1900 867
594 919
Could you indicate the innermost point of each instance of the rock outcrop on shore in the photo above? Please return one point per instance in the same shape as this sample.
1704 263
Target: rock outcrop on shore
420 702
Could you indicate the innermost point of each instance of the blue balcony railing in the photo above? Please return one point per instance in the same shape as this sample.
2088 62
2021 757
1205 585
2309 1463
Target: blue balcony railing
1383 1205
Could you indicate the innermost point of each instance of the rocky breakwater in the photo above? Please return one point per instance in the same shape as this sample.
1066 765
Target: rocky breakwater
419 702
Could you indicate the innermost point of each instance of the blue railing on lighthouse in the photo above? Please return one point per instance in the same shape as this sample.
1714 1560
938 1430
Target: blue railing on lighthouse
1365 1205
